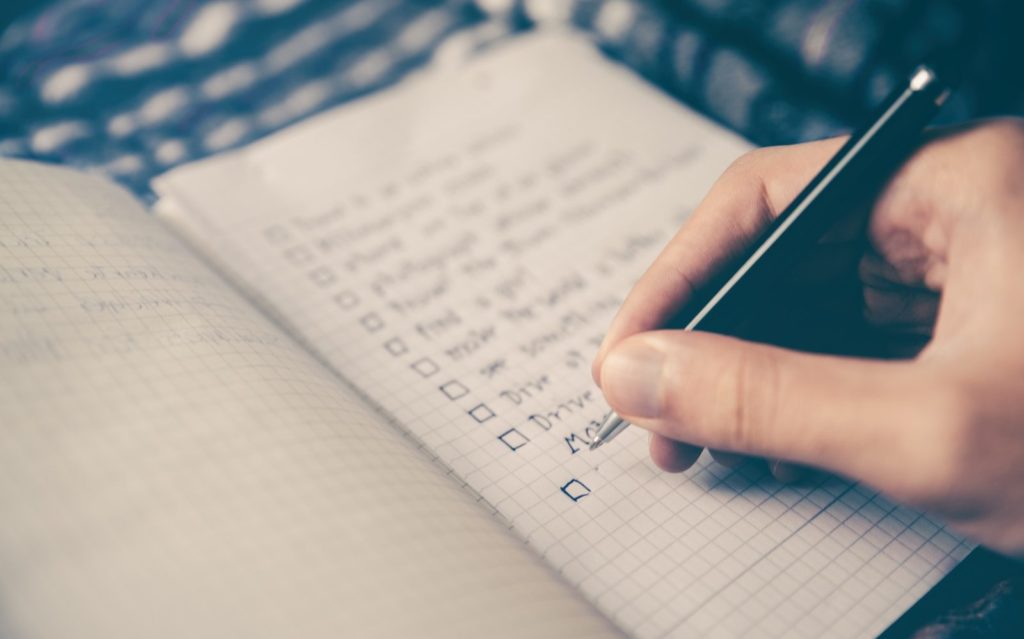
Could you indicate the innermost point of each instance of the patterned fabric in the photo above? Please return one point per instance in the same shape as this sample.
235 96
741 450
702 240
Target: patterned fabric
134 87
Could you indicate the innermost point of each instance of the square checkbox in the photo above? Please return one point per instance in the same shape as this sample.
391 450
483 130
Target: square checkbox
425 367
396 346
277 234
346 300
454 389
322 276
371 322
575 490
513 439
299 255
481 413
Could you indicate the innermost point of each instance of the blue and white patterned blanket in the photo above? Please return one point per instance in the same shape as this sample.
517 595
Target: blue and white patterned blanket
133 87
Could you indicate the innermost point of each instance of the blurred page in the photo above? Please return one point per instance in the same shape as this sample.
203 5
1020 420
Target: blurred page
456 247
173 465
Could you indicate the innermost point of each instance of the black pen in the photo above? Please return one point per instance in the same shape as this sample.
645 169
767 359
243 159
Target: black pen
862 167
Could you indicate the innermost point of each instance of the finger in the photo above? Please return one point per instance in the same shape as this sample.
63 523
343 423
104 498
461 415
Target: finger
740 205
672 456
919 215
727 459
890 302
786 473
719 392
904 311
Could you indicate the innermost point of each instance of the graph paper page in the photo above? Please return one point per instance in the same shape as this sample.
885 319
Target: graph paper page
457 246
173 465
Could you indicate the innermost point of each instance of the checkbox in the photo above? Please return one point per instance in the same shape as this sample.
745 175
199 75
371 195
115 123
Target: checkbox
371 322
425 367
277 235
299 255
454 389
575 490
396 346
514 439
481 413
322 276
346 300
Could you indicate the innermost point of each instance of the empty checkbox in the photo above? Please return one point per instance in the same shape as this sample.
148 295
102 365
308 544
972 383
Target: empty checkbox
322 276
481 413
346 300
575 490
454 389
514 439
299 255
396 346
425 367
277 235
371 322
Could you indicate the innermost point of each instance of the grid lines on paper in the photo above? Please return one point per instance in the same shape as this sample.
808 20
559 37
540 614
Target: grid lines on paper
704 552
172 463
548 195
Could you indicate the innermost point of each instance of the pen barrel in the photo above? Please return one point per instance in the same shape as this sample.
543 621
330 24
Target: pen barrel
849 183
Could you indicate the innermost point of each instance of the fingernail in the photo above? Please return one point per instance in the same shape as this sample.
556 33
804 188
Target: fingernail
784 473
631 379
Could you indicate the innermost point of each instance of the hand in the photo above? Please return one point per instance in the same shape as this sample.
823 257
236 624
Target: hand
938 272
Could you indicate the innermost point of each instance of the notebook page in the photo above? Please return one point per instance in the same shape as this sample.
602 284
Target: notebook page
456 247
172 465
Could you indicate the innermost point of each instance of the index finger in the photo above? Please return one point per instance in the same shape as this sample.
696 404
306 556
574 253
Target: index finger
748 196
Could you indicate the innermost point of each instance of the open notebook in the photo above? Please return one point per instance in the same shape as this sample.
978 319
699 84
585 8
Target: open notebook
339 386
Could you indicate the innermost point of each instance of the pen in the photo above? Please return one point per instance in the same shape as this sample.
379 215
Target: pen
860 169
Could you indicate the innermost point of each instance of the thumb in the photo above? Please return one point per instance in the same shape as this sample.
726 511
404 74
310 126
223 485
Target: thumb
850 416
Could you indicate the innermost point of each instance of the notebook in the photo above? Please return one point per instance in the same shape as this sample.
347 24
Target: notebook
338 385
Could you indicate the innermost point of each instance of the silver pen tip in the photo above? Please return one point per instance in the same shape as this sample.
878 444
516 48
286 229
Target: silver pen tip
594 445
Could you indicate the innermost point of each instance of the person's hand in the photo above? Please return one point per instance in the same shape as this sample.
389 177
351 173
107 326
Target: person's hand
939 265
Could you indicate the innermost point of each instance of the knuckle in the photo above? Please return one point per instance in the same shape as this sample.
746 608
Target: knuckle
1006 137
1009 130
752 164
751 175
747 395
1001 149
1010 156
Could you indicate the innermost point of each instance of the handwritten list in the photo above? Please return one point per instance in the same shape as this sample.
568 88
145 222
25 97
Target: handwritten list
488 311
455 249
